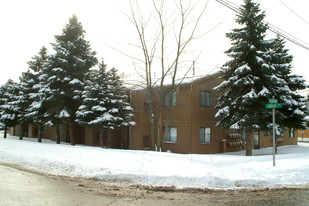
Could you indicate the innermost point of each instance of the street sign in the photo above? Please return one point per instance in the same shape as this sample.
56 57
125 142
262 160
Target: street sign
272 101
275 105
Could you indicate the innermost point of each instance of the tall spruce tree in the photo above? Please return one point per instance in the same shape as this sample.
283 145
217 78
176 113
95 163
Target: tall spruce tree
294 105
253 75
118 102
8 109
118 106
241 106
37 62
65 73
25 99
37 109
91 112
105 103
2 125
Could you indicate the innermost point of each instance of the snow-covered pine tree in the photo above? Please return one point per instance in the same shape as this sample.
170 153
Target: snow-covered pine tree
8 109
65 74
120 99
118 106
37 109
104 102
294 108
2 126
247 79
259 70
53 95
92 111
37 62
25 99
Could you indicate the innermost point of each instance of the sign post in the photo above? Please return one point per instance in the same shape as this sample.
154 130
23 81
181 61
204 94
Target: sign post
273 104
274 139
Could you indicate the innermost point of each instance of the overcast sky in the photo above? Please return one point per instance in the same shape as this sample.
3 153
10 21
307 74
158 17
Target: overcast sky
26 26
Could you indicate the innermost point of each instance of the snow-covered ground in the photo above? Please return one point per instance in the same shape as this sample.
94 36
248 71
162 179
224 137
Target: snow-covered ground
218 171
303 139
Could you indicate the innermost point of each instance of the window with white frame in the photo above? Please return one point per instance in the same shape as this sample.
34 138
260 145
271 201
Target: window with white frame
205 134
205 99
168 96
171 135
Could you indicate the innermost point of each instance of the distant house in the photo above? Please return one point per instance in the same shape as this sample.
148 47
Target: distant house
192 128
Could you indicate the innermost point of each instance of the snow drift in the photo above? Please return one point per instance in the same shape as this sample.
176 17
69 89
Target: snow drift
219 171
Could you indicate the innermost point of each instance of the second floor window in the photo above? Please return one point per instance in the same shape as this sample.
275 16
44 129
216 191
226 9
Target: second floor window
146 108
205 99
169 96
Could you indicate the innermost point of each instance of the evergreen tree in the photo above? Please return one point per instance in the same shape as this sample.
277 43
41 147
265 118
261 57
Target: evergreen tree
104 102
25 99
38 61
118 104
2 91
65 73
253 76
53 96
91 112
37 109
242 104
118 110
8 108
294 105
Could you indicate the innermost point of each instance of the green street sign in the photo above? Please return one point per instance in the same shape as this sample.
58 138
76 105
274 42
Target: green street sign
272 101
275 105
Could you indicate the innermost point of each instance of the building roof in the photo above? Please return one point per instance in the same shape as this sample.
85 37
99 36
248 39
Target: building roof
139 83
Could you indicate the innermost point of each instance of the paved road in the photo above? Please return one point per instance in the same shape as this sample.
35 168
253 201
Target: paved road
21 187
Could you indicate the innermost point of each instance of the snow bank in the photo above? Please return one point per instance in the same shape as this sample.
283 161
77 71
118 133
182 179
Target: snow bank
219 171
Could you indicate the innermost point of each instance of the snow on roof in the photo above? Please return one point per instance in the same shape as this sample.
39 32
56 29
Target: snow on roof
135 83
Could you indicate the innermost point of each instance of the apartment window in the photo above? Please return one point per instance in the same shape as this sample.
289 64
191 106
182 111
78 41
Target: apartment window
205 99
43 129
291 132
146 142
171 135
146 108
105 133
205 135
268 132
168 96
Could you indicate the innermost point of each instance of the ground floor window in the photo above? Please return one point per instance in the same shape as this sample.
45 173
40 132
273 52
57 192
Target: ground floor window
205 134
171 135
291 132
146 142
43 129
268 132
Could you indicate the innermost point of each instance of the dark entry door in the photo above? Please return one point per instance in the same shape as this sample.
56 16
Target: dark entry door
256 137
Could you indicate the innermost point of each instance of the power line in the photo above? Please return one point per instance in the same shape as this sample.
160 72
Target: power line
294 12
272 28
